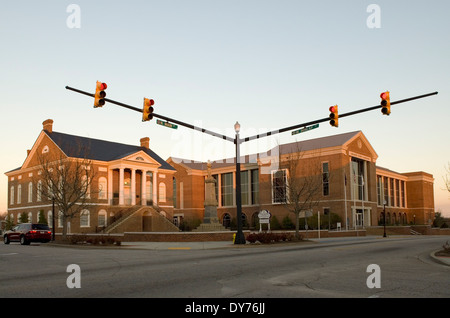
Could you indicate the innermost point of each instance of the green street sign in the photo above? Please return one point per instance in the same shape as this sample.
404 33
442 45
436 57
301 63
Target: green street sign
166 124
295 132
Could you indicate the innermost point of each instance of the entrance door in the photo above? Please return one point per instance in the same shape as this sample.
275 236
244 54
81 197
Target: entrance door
359 217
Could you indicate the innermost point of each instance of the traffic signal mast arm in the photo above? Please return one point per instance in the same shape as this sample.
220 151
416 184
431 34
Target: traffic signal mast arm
269 133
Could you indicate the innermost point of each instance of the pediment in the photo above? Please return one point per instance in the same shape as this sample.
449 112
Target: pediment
359 146
140 157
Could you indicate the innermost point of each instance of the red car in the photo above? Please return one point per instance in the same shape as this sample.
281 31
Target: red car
28 232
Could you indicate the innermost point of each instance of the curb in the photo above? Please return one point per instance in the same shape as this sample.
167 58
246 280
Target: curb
440 259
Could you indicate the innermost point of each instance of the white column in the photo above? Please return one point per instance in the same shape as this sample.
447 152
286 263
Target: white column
133 186
155 187
121 181
143 189
110 186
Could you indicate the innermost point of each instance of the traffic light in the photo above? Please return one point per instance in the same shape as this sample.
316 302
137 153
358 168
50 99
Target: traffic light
386 103
100 94
334 116
147 111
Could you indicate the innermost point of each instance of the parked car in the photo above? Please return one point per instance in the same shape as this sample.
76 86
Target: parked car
28 232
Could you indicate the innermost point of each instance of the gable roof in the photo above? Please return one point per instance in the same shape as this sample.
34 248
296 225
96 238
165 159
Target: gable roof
96 149
304 145
318 143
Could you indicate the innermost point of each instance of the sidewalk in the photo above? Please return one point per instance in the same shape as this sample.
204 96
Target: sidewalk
229 244
178 245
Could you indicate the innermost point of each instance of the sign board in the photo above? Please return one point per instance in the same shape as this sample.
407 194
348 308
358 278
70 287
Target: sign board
264 218
304 129
304 214
166 124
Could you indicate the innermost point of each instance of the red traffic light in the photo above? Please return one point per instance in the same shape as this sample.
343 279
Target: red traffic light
334 116
101 86
100 94
147 109
386 103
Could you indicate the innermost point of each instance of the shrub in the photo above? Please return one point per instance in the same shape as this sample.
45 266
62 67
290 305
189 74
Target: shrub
269 237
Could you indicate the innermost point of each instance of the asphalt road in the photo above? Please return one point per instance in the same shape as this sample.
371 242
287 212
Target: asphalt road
330 268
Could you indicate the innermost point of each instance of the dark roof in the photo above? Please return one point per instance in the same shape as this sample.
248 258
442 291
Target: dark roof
318 143
305 145
96 149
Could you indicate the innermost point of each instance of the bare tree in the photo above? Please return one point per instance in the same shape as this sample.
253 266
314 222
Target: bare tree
447 177
66 180
298 183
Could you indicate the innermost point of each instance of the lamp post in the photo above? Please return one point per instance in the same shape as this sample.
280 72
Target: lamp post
384 217
240 238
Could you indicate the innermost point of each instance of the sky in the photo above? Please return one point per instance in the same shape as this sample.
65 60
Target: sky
267 64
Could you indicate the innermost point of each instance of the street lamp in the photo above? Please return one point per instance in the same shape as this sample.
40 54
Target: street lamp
240 238
384 216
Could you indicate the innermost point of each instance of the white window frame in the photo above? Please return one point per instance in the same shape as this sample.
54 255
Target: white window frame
272 173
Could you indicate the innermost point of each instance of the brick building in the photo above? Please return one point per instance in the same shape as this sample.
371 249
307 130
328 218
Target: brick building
139 191
131 190
349 184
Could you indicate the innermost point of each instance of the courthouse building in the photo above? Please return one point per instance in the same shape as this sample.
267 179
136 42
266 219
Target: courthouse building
349 184
136 190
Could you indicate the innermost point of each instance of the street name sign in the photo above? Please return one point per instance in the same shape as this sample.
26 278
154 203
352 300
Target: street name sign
304 129
166 124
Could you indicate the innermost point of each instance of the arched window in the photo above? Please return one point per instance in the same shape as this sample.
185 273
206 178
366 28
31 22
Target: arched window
30 217
86 187
50 218
11 199
19 194
102 188
30 192
39 191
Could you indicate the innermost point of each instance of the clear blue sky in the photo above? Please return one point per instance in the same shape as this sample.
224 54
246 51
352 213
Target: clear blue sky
267 64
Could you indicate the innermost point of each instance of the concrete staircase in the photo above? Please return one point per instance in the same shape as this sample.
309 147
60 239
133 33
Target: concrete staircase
128 214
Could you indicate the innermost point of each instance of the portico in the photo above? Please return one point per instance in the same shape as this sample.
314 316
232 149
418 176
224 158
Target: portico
132 185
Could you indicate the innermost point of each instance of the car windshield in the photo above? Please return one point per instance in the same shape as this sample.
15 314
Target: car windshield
40 227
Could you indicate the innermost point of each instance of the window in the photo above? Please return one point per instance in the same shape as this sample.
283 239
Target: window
391 192
39 191
325 179
244 187
227 189
397 192
50 218
84 218
174 192
279 182
102 188
379 191
19 194
60 219
358 179
11 199
386 190
30 192
85 187
403 194
255 186
102 218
